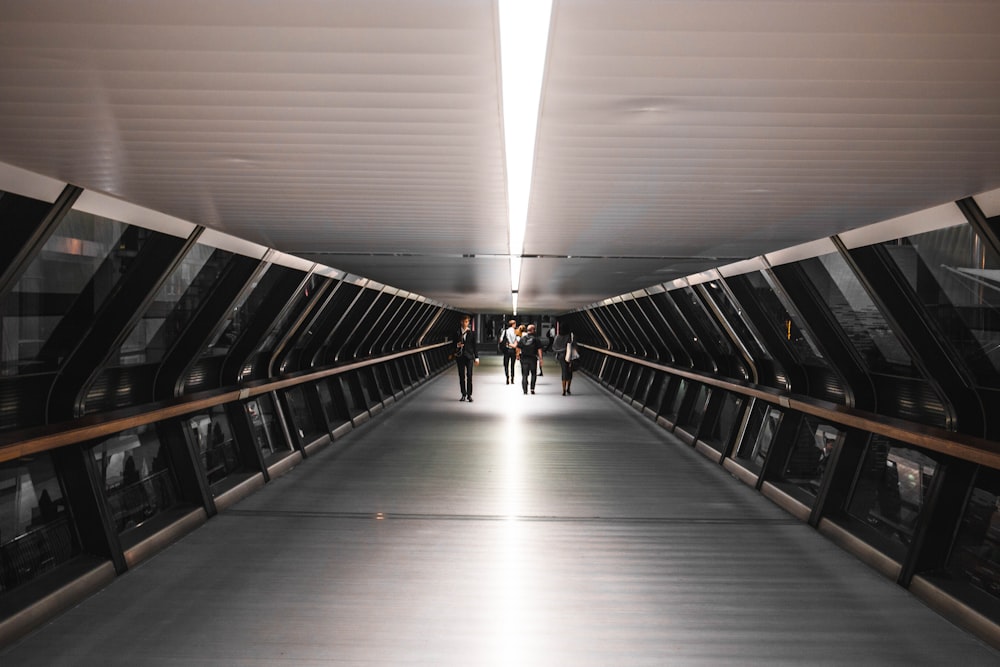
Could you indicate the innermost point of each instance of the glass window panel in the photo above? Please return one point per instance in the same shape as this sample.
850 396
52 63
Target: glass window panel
721 430
733 313
783 318
303 422
699 317
759 435
976 555
957 279
862 322
213 439
241 313
36 529
673 405
138 482
175 303
74 271
698 407
264 424
811 450
891 487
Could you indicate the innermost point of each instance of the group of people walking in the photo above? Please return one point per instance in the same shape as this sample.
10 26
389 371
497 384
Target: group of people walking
519 345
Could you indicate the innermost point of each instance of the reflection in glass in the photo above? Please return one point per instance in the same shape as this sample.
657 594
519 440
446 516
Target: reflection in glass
856 313
256 365
673 406
264 425
807 460
891 487
175 304
303 422
759 435
694 416
724 299
36 529
212 438
137 479
957 279
976 555
241 312
75 271
785 320
721 430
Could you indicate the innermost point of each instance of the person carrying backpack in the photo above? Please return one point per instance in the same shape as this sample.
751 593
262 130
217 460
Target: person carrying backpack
529 352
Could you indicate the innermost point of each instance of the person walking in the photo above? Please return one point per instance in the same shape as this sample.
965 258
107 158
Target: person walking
563 347
529 352
509 351
466 357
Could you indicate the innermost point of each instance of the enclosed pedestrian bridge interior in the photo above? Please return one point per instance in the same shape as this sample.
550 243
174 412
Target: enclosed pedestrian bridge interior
238 240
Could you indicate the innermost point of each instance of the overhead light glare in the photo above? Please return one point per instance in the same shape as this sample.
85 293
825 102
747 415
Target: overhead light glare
524 36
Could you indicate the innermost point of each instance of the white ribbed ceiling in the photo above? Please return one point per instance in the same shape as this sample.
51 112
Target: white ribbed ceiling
366 134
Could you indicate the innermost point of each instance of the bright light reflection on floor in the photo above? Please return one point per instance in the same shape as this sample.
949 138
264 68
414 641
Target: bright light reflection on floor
511 583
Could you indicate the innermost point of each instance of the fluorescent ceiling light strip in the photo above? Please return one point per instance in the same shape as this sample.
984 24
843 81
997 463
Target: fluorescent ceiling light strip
524 36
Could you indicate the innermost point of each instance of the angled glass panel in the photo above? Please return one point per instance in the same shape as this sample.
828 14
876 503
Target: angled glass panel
242 311
891 488
782 317
36 529
957 279
814 444
265 428
975 558
674 351
687 336
642 307
723 298
762 429
175 304
256 367
862 322
714 339
212 438
721 430
136 477
62 289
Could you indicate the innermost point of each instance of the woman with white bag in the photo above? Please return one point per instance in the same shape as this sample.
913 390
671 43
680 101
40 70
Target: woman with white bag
564 349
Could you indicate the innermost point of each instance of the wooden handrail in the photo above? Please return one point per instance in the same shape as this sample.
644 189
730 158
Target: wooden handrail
35 440
958 445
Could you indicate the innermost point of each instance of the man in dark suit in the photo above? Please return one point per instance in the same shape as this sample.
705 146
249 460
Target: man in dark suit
466 356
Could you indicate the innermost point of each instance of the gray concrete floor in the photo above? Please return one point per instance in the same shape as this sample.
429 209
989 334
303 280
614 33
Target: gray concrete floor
516 530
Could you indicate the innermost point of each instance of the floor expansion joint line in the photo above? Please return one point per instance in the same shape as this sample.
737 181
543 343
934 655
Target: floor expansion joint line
368 516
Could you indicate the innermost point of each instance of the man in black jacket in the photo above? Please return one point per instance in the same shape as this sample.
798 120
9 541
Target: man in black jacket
466 356
529 351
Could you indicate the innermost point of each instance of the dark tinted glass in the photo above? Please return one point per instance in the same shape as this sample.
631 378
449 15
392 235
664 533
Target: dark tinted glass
36 529
976 555
72 276
810 453
784 320
265 427
213 440
137 479
176 302
855 312
759 435
891 487
721 430
304 422
957 279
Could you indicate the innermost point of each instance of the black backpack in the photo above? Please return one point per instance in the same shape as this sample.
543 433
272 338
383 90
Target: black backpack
528 344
